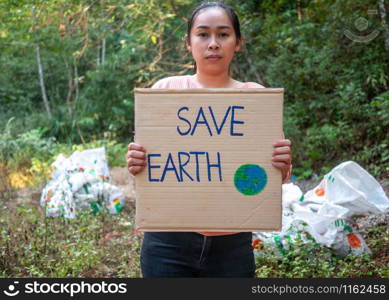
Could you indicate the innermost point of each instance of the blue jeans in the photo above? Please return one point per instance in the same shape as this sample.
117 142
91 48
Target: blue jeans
190 254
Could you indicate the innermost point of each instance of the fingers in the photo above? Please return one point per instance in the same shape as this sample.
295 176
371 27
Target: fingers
135 154
134 146
286 158
284 168
282 150
135 165
282 157
135 169
283 142
136 158
136 162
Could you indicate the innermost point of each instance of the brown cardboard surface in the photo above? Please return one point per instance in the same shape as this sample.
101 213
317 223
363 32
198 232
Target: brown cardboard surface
195 197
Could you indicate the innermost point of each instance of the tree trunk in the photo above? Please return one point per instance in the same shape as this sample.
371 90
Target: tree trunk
103 52
98 56
299 10
70 89
76 86
42 82
382 11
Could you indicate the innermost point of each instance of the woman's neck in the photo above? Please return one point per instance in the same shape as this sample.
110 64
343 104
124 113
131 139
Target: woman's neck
213 81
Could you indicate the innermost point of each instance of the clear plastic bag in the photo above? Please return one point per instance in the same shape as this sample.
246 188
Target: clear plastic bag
81 181
324 213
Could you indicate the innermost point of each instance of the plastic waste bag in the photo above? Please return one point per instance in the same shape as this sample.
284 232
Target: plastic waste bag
323 214
81 181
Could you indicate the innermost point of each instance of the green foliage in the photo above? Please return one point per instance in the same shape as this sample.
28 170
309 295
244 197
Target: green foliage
94 53
32 245
16 151
309 260
302 261
28 156
331 83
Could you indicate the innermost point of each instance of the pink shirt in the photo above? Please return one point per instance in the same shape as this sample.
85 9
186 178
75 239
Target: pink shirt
188 82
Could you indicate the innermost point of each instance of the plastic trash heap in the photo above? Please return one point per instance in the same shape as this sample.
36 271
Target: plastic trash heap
323 214
81 182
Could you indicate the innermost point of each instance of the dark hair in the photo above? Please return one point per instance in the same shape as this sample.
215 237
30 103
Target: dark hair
230 12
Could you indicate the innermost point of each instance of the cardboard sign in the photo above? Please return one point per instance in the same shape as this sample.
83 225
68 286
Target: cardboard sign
209 159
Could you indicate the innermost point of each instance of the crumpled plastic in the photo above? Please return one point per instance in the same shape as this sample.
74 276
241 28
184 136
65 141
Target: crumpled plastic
81 182
323 215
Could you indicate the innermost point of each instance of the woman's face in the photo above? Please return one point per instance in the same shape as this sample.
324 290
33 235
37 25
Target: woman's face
213 41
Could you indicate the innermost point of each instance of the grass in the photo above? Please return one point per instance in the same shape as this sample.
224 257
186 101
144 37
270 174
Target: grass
105 245
311 260
101 245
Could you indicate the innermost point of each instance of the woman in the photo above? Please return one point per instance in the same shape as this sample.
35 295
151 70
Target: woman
213 37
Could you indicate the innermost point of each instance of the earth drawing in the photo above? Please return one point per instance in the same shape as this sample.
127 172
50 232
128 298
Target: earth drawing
250 179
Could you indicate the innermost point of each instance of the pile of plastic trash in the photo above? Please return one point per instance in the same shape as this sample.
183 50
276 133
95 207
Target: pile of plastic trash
81 182
324 214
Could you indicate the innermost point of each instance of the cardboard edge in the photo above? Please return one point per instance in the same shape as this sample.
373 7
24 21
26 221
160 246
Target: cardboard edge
207 91
192 229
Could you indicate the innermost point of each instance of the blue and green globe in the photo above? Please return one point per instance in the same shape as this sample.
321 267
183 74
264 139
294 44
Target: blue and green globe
250 179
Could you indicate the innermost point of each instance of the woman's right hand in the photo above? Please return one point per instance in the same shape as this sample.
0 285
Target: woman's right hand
136 158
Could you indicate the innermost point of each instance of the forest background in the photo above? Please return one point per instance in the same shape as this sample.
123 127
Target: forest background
68 70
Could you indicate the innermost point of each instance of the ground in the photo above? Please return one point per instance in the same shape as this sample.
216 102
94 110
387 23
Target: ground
122 179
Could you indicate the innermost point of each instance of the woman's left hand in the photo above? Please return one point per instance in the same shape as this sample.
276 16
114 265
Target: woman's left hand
282 158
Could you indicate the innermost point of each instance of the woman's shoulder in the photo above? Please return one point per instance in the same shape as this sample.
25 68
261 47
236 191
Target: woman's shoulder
177 82
246 85
251 85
